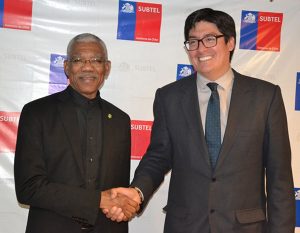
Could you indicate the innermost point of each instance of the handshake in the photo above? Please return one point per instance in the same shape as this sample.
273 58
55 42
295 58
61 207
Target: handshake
120 204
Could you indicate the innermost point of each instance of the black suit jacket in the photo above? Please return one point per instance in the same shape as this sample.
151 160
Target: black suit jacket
231 198
49 174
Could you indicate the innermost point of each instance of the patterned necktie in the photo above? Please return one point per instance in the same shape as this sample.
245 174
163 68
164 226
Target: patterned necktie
213 125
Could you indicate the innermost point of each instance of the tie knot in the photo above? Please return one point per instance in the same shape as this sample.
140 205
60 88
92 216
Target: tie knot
212 86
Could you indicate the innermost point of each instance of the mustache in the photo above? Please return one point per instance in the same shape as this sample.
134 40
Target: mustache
87 75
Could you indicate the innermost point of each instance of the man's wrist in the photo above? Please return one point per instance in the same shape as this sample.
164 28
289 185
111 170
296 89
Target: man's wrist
141 195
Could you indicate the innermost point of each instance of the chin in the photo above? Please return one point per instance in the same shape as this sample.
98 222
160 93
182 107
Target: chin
205 72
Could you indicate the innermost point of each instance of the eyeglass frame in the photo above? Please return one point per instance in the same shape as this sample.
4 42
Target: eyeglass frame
94 61
201 40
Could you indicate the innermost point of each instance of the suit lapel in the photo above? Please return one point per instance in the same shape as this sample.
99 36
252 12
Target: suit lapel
191 111
237 106
70 123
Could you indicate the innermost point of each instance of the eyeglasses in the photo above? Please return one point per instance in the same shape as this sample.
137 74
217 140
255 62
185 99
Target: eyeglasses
208 42
95 62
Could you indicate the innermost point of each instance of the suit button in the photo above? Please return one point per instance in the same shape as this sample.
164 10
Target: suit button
213 179
212 211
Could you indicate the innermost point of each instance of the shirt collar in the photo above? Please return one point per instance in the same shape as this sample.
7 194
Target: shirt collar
82 100
225 81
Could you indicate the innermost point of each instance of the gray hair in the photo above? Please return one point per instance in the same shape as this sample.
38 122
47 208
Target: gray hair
86 37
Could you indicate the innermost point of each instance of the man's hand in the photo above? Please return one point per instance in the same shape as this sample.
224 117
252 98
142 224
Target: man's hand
117 213
118 206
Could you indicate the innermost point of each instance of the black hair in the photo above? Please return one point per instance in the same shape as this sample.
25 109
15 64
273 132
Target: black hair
222 20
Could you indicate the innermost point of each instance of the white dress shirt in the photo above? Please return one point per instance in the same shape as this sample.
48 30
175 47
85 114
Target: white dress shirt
224 89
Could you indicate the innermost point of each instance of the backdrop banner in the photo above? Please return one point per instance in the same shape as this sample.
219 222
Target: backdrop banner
145 44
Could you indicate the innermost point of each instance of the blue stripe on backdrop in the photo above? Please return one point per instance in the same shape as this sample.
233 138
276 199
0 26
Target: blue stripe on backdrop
1 12
126 20
297 197
297 100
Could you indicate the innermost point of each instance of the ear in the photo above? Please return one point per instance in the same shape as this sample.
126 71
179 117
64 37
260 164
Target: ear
66 68
231 44
107 68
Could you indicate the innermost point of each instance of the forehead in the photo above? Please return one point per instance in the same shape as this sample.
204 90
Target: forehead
203 28
82 48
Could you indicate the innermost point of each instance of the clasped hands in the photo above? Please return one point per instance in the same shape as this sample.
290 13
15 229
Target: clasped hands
120 204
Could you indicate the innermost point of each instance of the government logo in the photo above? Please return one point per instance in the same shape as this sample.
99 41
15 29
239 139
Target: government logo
140 138
184 70
139 21
16 14
57 80
261 30
8 130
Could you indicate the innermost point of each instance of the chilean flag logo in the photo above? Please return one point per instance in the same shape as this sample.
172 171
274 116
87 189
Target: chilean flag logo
261 30
16 14
139 21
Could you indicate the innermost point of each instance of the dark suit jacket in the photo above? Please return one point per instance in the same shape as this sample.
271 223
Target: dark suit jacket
232 198
49 173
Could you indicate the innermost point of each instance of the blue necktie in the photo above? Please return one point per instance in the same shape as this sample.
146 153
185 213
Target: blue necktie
213 125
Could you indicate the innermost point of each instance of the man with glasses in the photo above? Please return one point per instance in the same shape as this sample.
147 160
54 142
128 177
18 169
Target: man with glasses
72 147
224 137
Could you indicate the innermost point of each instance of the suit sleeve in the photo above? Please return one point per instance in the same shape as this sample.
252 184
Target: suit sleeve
157 160
279 180
33 185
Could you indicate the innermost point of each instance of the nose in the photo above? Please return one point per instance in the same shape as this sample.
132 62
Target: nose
201 46
87 65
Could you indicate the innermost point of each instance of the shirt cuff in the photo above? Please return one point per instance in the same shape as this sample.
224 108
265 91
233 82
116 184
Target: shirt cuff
140 193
